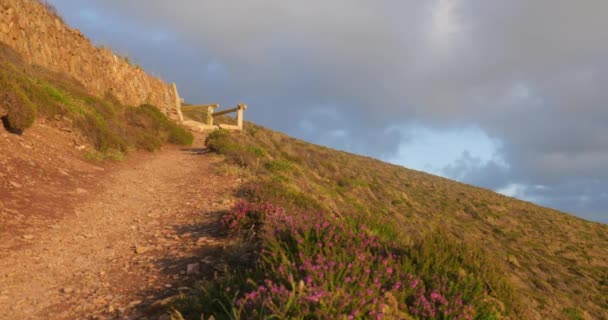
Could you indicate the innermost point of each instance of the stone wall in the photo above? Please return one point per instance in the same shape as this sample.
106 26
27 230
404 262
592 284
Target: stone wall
42 38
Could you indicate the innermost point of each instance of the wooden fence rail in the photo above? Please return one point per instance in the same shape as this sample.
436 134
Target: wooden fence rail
212 115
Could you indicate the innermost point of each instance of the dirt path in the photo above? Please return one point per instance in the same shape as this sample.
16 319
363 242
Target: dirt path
124 246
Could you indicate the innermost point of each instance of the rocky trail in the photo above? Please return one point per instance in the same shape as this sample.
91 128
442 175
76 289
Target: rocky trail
108 241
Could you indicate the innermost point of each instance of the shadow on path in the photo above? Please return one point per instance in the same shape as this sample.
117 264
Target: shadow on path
196 151
204 252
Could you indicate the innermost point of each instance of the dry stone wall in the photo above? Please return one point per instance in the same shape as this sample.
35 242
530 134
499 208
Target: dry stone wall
42 38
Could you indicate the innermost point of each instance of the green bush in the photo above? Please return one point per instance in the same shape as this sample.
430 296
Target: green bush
219 141
99 133
148 141
20 111
278 166
152 128
180 136
57 95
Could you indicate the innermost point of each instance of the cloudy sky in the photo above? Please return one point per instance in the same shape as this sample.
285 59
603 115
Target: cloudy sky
508 95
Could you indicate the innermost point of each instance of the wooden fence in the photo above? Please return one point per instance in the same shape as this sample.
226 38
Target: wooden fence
212 117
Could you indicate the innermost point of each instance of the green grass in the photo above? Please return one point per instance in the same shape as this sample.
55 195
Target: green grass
110 154
573 314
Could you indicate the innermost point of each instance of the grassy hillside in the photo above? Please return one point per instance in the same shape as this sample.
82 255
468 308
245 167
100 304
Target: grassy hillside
112 129
501 257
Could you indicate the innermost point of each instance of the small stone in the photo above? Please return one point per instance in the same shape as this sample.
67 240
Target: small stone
99 302
134 303
67 290
513 260
28 237
193 268
15 184
140 249
202 240
81 191
207 260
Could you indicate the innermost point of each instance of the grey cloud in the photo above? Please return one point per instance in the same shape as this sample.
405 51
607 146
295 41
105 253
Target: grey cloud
587 198
469 169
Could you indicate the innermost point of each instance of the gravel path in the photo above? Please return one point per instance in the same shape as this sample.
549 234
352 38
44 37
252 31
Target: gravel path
124 243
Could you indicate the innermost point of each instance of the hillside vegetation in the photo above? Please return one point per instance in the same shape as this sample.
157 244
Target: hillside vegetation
338 235
112 129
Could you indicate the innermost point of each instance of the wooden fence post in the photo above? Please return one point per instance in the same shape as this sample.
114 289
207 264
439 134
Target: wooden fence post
210 109
239 115
178 104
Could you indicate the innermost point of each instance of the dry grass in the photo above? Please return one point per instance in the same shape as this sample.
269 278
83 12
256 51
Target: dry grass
50 8
557 262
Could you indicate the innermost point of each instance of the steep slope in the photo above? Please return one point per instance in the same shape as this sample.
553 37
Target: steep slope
557 263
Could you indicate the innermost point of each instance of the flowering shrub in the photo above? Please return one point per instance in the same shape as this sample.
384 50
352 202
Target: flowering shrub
313 266
245 218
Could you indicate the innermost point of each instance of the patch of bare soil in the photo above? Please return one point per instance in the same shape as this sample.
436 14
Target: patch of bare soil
80 240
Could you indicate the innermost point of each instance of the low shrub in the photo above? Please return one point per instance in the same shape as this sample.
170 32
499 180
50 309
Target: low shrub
278 193
219 141
180 136
152 128
147 141
278 166
20 111
316 266
99 133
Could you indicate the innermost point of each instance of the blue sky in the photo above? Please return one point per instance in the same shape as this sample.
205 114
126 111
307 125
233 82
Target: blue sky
503 95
